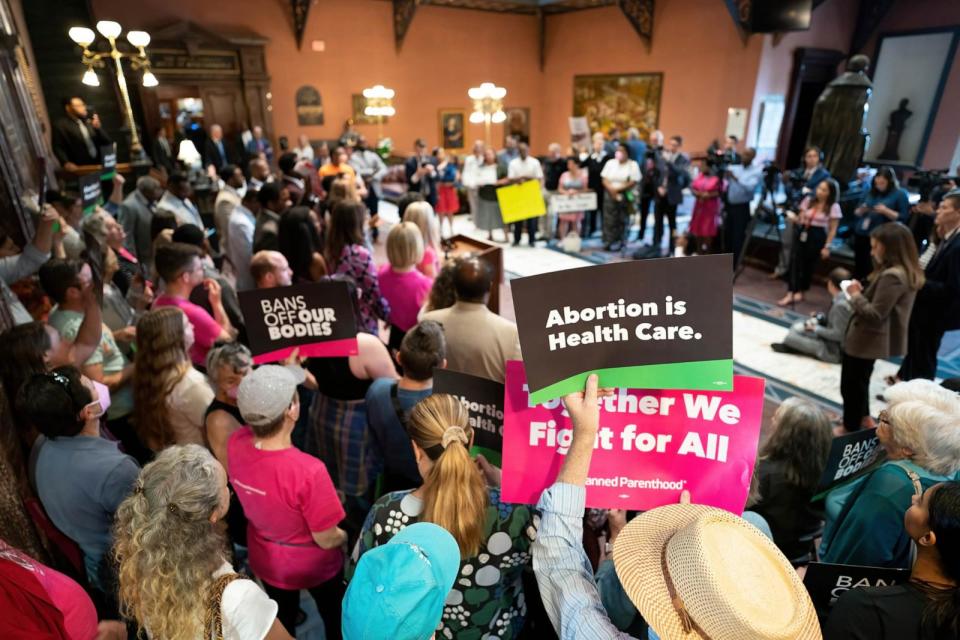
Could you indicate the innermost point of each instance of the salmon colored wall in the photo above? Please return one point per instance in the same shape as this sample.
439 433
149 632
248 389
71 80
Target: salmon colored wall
445 53
706 68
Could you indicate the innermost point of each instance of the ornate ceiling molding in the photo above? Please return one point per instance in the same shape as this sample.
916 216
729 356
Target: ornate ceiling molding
403 11
640 15
301 9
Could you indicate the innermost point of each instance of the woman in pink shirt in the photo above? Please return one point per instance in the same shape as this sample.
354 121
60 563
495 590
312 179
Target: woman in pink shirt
401 283
815 227
291 505
422 215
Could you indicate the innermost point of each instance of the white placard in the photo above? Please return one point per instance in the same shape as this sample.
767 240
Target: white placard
737 122
771 119
388 212
586 201
579 130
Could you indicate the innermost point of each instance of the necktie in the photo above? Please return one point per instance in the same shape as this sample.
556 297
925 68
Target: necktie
87 140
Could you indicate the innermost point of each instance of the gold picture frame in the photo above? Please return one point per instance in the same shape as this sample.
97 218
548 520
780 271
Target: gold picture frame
452 125
619 101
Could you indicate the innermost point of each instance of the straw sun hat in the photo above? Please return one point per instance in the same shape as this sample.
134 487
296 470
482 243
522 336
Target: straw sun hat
695 572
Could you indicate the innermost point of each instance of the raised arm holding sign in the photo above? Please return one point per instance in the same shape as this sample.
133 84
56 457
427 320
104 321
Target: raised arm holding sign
653 323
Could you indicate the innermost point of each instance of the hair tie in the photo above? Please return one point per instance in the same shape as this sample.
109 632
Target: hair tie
454 433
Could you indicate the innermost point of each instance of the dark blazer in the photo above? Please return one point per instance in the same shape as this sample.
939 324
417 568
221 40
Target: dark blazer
676 177
160 156
212 155
881 316
430 182
68 144
939 299
594 165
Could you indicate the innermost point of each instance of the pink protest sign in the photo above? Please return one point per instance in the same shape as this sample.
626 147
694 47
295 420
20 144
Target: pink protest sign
652 444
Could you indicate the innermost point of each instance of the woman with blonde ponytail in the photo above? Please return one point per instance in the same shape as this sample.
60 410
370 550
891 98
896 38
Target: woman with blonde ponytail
171 548
494 537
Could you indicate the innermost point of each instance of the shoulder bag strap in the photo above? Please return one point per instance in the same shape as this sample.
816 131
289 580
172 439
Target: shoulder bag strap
213 616
397 407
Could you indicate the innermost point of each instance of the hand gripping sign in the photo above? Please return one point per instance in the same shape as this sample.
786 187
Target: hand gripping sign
651 445
647 323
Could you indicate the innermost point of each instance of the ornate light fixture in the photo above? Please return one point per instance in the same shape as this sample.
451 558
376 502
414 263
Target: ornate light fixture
379 104
487 105
110 30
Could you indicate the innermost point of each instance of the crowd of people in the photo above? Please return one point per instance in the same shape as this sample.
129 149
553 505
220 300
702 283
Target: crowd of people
157 482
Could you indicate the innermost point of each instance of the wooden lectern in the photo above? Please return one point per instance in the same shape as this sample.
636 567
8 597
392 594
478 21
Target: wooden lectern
460 245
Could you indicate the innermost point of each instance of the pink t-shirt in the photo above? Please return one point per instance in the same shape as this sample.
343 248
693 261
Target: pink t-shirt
430 259
406 293
817 218
205 328
285 495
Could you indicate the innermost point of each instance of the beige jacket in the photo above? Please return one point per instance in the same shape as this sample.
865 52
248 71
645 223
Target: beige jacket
479 342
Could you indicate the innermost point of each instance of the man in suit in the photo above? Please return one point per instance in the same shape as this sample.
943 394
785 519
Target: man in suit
595 163
135 214
937 307
162 151
216 153
652 168
77 136
675 179
259 144
176 201
421 171
479 342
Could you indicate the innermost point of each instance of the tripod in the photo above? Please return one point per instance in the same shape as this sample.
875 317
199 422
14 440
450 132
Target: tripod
770 208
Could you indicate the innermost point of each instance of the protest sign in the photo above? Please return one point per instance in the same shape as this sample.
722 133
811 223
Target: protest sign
575 202
388 212
652 444
579 130
521 201
827 582
109 154
665 324
483 399
315 318
91 195
849 455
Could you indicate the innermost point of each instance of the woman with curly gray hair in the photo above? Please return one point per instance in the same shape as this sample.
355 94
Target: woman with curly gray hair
175 580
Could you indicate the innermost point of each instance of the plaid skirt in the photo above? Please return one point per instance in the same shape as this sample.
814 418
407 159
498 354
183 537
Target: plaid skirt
338 435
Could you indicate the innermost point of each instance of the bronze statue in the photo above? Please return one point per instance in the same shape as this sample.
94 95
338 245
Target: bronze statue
838 119
898 122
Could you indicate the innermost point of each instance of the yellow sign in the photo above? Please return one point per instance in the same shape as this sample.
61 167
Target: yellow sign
521 201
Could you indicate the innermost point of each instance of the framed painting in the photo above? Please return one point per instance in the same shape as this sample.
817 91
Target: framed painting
358 104
517 124
619 101
451 123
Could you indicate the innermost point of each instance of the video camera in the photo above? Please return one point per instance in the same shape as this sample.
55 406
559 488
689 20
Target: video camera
718 159
927 183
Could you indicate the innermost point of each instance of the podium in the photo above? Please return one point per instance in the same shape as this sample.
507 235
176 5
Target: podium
461 245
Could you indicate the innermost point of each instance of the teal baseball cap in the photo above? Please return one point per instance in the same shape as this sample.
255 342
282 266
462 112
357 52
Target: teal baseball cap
398 589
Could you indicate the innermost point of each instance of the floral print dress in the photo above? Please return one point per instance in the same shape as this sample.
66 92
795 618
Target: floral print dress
487 599
355 261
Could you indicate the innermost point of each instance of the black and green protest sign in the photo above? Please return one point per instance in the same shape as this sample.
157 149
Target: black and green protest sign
109 154
645 324
851 455
483 400
827 582
91 195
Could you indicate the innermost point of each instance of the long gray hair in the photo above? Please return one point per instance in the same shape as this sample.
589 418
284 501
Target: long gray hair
801 440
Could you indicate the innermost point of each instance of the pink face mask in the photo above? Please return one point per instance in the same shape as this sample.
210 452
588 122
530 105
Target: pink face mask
103 391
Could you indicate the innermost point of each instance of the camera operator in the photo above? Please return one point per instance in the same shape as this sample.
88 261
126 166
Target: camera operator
798 184
77 136
742 182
